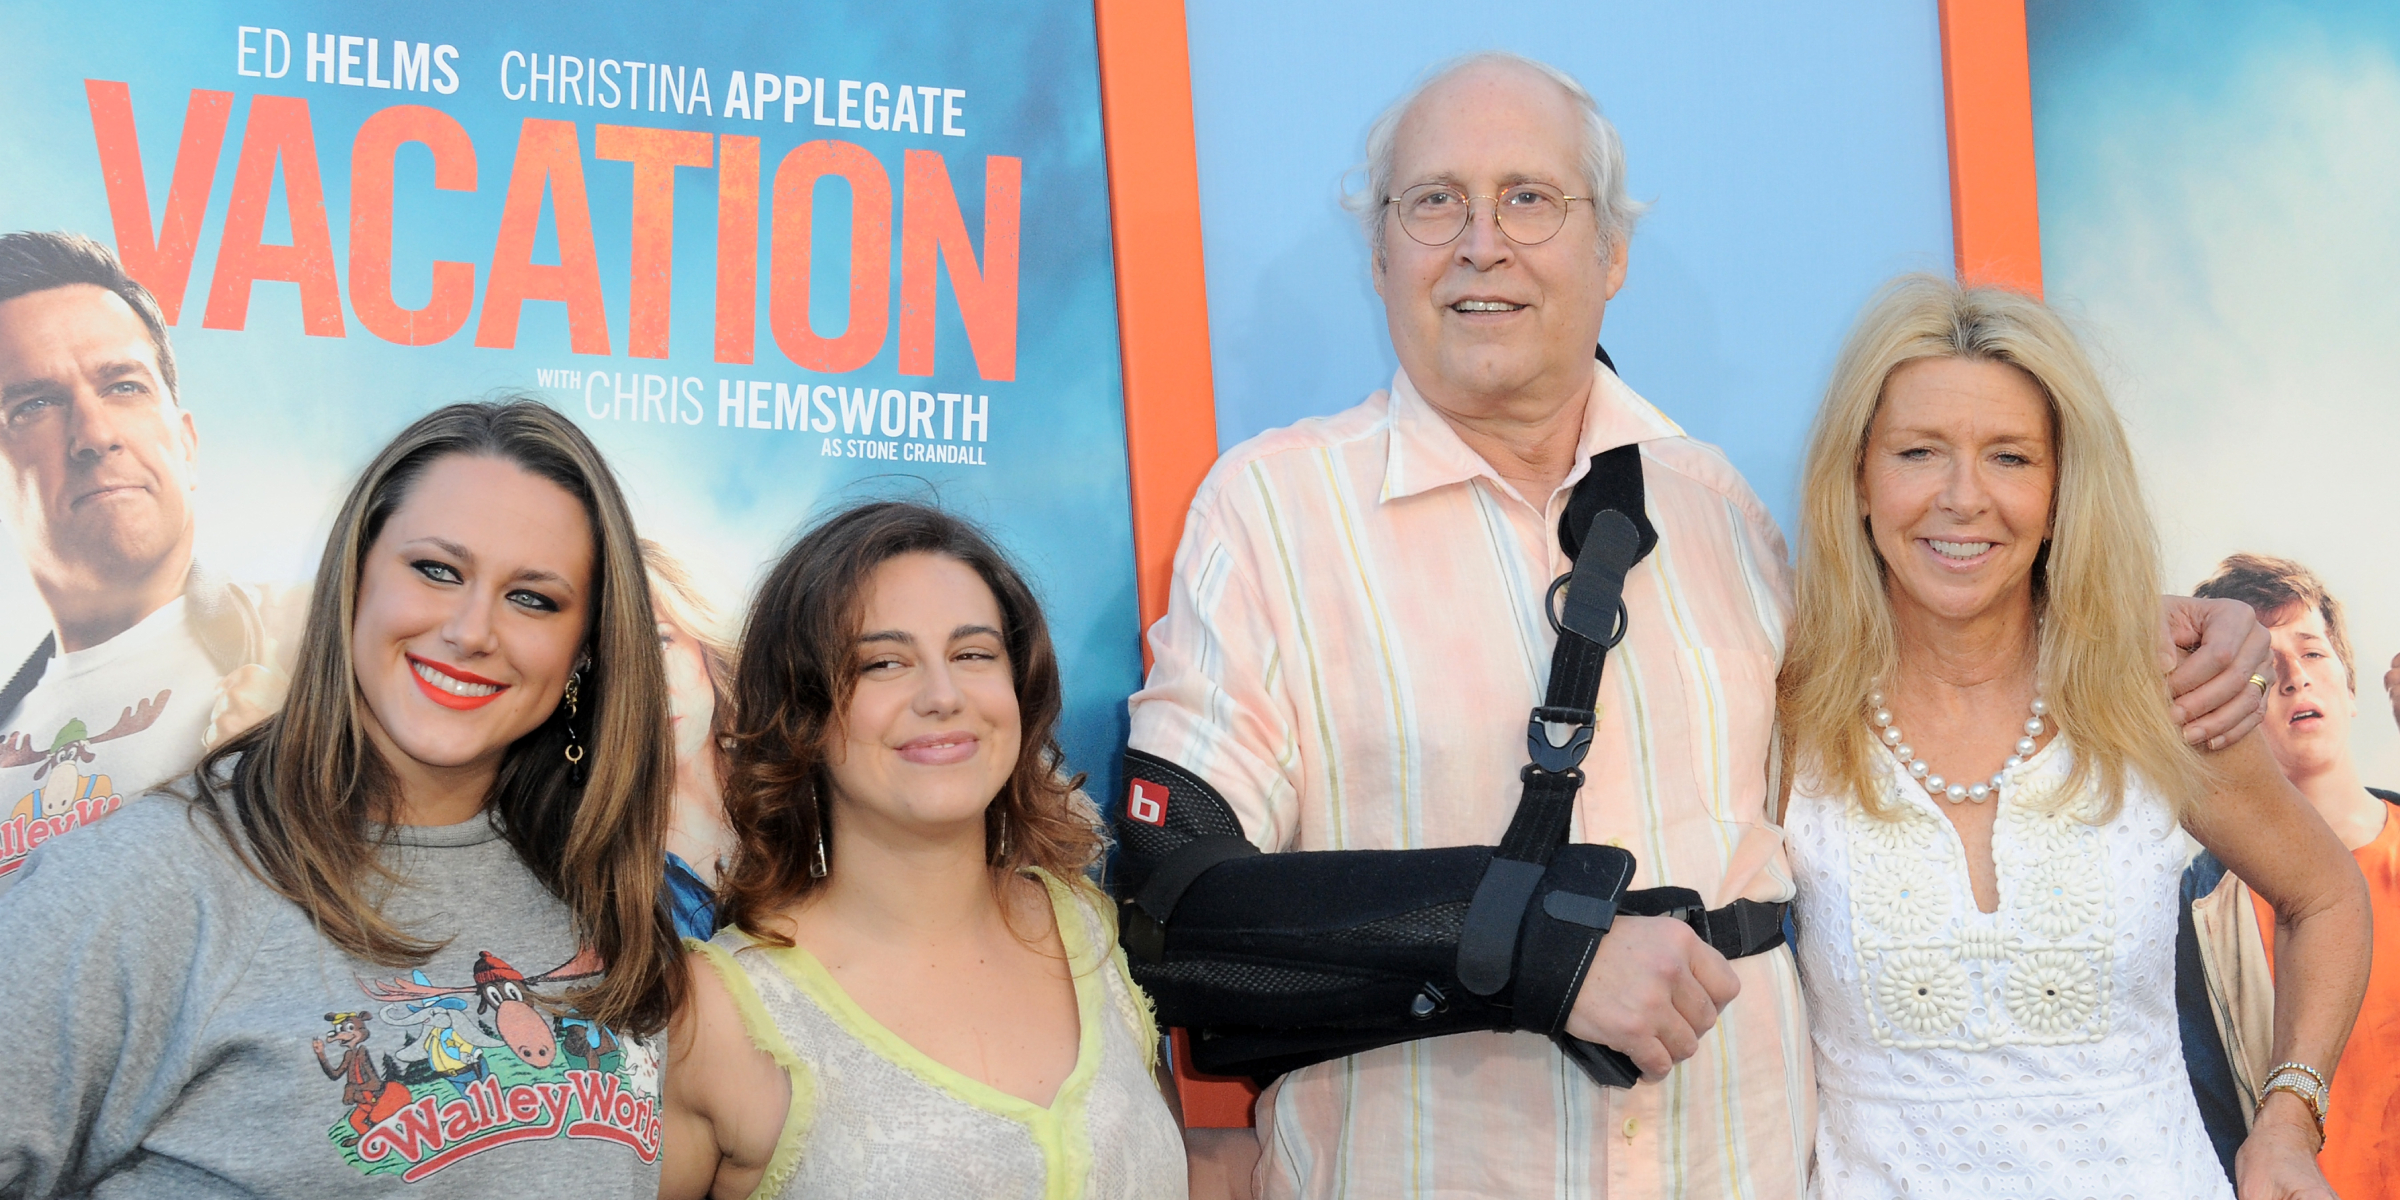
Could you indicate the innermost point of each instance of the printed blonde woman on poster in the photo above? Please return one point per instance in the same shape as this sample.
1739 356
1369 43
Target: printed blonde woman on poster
917 992
1985 791
406 936
699 668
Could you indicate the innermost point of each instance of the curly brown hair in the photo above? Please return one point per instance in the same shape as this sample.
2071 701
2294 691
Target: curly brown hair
792 684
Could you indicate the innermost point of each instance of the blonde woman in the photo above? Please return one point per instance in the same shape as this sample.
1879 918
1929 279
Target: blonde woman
1986 788
699 668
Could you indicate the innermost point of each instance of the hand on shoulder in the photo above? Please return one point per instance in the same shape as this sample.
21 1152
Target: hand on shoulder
2210 650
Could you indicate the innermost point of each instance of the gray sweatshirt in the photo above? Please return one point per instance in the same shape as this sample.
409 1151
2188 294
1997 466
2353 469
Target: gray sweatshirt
180 1030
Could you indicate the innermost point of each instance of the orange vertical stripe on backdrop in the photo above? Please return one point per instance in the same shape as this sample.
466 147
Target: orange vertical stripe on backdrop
1995 216
1162 295
1162 328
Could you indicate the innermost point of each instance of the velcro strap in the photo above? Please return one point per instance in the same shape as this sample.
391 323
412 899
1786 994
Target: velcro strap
1487 945
1175 874
1738 930
1742 928
1142 921
1610 545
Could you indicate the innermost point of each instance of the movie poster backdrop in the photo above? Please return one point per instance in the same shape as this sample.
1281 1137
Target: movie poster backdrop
772 258
2218 183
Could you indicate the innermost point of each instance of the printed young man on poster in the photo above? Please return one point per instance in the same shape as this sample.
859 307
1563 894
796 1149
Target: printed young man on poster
2225 992
1354 635
149 658
2391 687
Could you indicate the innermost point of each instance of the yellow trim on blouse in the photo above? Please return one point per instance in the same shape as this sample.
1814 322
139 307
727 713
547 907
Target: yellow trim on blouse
768 1038
1060 1130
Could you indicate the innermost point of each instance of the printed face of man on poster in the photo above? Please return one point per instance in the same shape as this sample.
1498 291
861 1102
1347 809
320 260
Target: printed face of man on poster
98 460
2313 698
149 659
2310 710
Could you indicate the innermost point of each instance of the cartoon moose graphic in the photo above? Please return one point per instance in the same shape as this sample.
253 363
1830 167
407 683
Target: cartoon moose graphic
58 792
442 1043
501 990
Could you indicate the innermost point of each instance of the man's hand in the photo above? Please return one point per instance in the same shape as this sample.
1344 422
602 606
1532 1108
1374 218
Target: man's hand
1653 990
2210 650
2391 686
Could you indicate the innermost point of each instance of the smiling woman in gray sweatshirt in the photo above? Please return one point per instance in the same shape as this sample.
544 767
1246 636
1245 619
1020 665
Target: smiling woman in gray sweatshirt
407 936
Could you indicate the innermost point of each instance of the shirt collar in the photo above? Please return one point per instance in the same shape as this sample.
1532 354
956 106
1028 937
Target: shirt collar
1425 453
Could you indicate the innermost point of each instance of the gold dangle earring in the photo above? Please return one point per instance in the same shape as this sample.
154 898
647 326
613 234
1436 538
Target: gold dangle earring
574 751
1002 857
816 864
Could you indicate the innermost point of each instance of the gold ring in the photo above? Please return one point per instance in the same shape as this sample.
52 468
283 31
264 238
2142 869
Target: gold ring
2260 681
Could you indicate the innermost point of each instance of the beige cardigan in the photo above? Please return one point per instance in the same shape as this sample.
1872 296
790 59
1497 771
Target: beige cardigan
2241 985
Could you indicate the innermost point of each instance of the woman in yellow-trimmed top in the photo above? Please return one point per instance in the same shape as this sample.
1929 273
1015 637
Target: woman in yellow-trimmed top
916 994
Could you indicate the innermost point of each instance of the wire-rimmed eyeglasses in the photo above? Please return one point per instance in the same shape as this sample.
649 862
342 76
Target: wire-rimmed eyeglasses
1434 214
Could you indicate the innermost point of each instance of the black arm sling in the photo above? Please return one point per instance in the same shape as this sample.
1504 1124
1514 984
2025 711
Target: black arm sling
1277 961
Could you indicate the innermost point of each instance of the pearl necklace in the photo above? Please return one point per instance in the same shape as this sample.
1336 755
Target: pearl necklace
1955 793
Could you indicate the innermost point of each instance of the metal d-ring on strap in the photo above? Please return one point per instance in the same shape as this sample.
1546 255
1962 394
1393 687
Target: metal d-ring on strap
1550 610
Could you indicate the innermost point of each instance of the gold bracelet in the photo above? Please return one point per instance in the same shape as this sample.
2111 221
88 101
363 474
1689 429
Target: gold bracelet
2303 1084
2323 1084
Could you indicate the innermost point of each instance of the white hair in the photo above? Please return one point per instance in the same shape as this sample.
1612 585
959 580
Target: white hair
1602 157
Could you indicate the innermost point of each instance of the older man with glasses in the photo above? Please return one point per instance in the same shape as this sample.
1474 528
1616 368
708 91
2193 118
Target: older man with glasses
1356 631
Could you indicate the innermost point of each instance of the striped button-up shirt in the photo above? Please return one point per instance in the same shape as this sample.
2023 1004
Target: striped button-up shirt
1354 637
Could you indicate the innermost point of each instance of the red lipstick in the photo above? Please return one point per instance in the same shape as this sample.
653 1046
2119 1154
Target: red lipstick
419 668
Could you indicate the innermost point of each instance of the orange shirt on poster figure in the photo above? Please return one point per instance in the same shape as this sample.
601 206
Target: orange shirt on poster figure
2361 1158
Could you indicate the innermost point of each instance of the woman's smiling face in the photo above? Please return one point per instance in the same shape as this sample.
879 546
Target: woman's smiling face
932 729
1957 482
472 609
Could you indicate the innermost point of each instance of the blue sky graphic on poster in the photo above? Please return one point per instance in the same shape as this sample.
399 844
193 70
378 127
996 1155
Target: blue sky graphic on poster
1034 449
2217 200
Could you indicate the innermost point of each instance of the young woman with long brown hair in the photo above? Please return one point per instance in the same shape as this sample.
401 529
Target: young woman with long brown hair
409 930
917 993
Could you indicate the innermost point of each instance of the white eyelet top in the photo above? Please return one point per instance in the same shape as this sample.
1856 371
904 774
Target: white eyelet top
2031 1051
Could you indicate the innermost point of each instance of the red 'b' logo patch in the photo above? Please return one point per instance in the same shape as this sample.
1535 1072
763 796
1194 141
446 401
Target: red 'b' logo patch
1146 802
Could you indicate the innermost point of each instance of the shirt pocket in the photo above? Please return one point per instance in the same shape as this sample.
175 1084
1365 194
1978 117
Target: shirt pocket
1729 697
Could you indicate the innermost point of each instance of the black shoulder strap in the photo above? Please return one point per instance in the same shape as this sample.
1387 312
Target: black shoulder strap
1606 530
21 684
1611 533
1615 481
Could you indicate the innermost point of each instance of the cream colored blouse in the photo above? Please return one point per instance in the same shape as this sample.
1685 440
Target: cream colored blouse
873 1118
